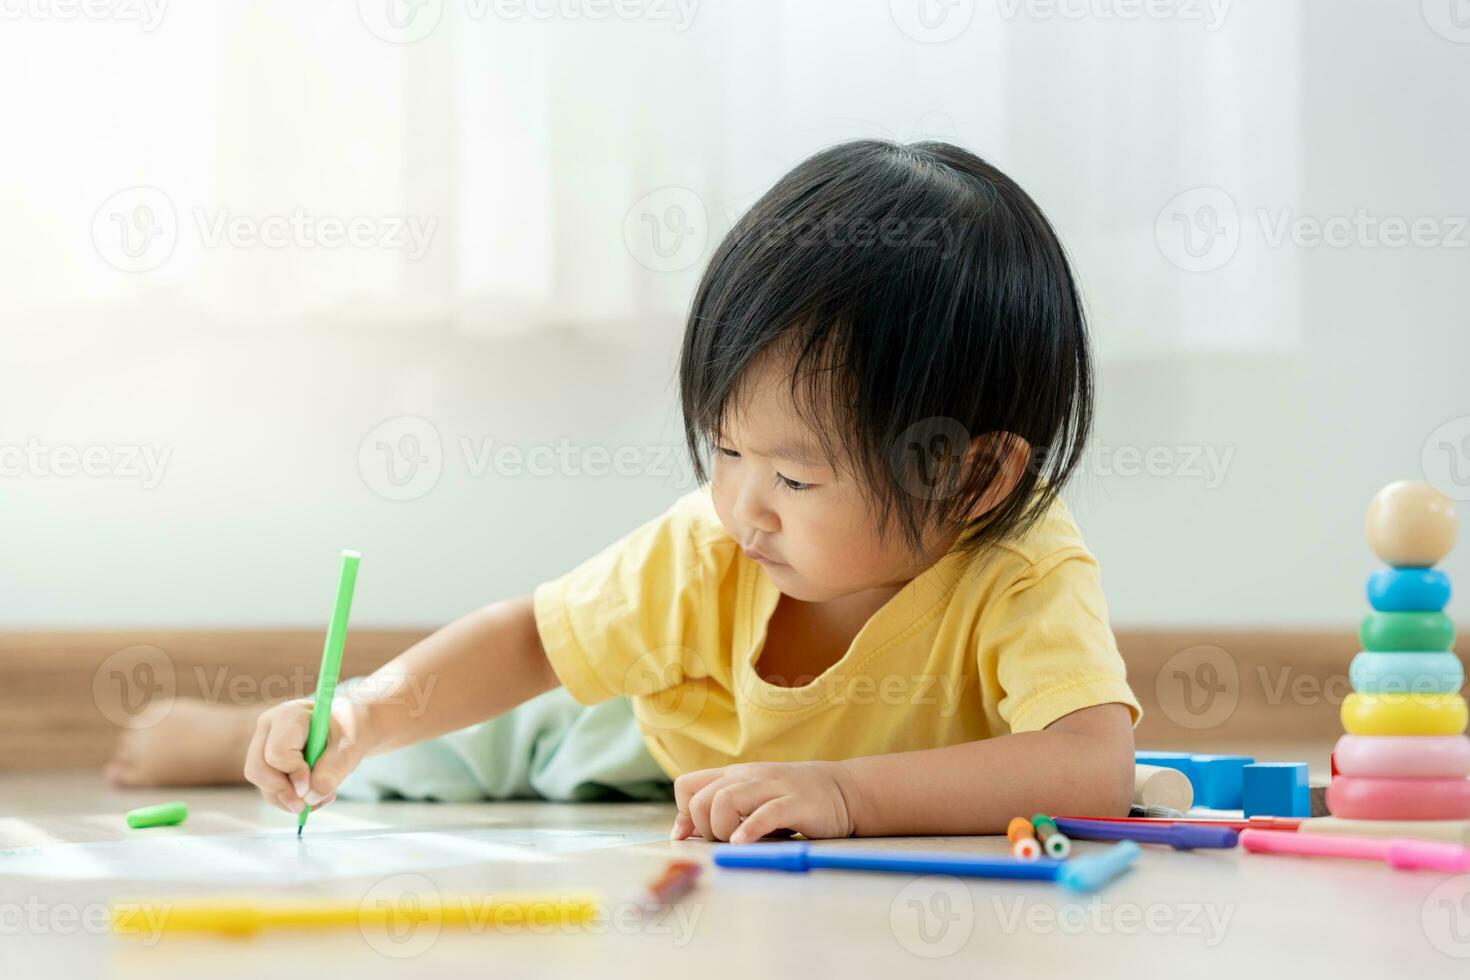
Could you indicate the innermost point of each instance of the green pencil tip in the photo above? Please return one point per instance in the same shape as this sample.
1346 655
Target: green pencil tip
298 831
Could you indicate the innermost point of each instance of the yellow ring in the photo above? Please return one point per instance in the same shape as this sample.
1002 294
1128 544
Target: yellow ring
1404 714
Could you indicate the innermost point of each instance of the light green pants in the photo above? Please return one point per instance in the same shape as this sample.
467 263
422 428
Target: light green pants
549 748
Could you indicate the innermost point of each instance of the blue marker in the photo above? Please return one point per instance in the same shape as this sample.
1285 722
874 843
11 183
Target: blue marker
1078 874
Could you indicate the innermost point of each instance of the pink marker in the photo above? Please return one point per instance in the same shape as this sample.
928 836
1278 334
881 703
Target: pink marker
1409 855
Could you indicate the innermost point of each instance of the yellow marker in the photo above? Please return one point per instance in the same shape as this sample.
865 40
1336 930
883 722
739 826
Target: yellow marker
244 918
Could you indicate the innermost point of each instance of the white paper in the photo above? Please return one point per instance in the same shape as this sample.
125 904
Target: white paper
278 857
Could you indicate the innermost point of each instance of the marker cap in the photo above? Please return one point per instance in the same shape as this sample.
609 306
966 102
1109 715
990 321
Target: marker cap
1091 871
161 815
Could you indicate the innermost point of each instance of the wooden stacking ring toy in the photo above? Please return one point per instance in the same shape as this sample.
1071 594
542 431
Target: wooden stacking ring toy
1408 590
1369 798
1404 714
1407 631
1407 756
1411 523
1406 672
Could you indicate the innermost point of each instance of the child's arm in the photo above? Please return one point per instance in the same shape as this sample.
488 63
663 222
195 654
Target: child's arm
473 669
1081 764
480 665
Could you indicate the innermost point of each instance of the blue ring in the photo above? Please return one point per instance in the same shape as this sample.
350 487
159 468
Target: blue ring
1409 590
1408 672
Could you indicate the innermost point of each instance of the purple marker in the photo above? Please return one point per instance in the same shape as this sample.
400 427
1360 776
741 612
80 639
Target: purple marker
1181 836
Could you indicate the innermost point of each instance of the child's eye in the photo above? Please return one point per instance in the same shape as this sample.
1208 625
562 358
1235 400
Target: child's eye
793 484
729 452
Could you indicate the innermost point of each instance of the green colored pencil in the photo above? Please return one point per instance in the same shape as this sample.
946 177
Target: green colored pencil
326 679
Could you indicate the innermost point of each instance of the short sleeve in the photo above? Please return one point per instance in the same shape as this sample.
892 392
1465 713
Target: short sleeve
1047 643
623 621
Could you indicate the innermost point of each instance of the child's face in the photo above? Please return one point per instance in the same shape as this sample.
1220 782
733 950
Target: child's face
775 494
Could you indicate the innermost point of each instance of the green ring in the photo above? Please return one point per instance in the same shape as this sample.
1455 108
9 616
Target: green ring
1387 632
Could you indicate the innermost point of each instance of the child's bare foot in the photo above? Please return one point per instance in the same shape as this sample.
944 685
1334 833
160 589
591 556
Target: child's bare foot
196 744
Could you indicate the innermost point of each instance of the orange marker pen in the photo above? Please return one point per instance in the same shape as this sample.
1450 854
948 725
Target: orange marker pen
1024 844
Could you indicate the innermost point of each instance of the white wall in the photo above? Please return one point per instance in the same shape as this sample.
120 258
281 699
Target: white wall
264 482
1383 363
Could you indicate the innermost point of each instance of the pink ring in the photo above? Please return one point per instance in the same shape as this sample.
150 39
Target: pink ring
1367 798
1403 756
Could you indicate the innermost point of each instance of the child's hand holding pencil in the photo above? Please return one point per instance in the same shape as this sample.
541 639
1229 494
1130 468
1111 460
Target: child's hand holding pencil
276 759
303 749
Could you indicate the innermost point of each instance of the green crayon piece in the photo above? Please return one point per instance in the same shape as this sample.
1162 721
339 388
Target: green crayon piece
162 815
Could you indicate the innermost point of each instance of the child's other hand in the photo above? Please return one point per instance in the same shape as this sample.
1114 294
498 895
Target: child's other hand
275 761
745 802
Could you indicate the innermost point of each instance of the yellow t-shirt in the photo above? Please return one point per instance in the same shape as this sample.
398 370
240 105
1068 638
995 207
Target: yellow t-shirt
674 615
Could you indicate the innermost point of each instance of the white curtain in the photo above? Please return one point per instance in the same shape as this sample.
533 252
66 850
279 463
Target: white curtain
284 164
1164 150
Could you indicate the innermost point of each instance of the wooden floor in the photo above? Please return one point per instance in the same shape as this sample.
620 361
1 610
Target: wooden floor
1202 914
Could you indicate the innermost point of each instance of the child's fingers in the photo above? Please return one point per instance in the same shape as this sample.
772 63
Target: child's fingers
701 803
683 826
698 810
322 802
288 800
766 819
271 782
300 781
336 761
692 782
732 802
284 742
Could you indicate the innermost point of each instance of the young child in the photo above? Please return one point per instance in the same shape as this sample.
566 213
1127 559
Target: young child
874 617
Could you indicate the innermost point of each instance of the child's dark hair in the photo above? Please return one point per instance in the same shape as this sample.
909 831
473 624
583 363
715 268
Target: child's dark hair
924 297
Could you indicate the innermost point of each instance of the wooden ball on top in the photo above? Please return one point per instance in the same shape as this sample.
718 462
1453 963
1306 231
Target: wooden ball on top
1411 524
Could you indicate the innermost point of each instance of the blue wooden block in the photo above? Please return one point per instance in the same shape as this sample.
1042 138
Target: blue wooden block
1408 590
1169 760
1218 780
1276 789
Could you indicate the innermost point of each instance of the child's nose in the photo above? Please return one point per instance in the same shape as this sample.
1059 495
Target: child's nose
753 512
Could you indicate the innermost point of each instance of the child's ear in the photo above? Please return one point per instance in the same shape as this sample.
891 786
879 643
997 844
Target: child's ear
1010 454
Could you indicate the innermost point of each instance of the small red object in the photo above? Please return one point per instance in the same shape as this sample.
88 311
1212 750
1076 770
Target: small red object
677 879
